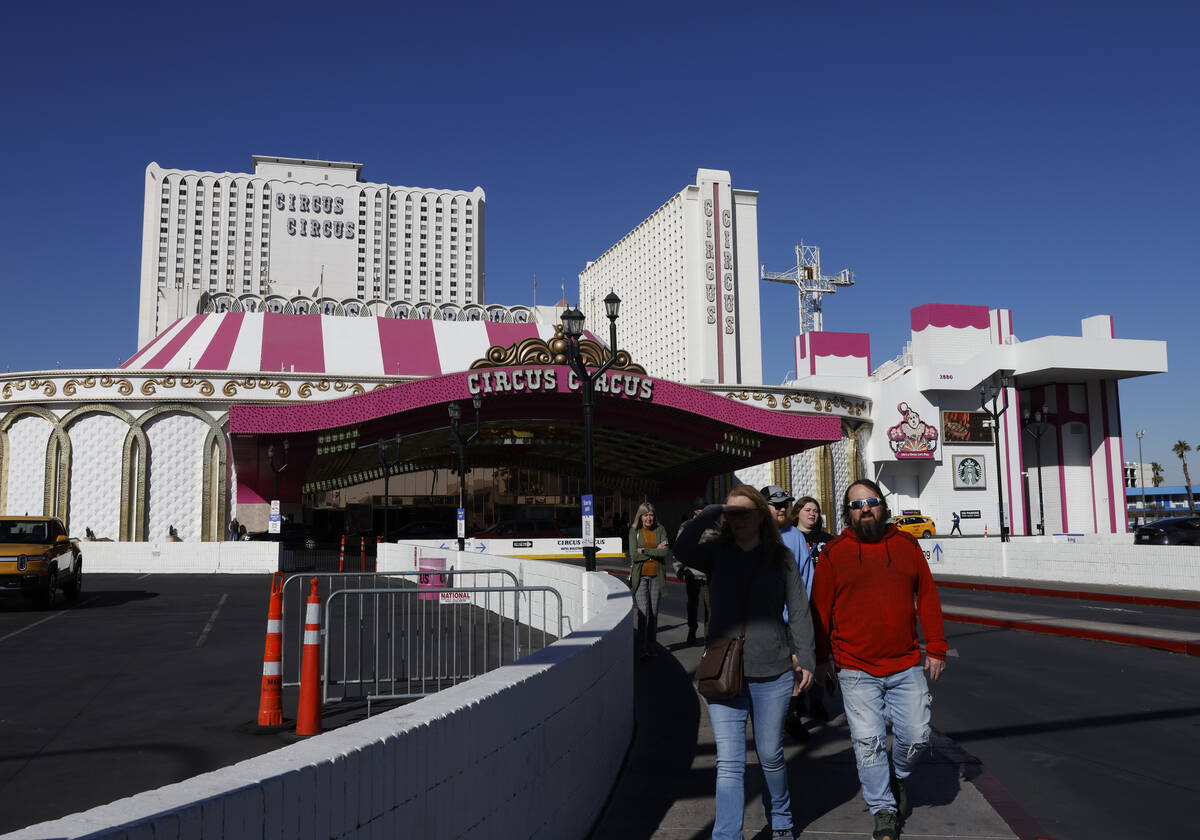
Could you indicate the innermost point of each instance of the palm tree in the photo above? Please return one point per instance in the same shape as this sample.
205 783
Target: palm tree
1157 473
1181 448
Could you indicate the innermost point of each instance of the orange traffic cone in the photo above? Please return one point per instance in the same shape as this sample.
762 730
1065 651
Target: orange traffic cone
342 555
270 701
308 716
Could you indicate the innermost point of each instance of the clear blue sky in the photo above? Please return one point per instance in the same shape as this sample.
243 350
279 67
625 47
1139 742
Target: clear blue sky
1034 156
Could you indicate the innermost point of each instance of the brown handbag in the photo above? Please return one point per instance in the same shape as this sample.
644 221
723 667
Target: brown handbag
719 675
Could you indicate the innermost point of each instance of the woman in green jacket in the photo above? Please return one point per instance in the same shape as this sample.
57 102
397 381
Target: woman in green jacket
647 573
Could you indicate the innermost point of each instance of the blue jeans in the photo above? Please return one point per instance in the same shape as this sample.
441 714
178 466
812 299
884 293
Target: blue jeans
766 698
872 703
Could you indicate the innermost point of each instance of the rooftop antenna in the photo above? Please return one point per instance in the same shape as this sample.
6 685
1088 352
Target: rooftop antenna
810 283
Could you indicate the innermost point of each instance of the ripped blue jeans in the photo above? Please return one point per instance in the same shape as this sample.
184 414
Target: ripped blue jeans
872 703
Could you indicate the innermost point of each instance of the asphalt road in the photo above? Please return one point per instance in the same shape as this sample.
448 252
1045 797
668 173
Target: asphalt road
152 679
145 681
1094 740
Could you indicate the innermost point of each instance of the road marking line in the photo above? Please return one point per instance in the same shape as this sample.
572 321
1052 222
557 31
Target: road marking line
212 619
43 620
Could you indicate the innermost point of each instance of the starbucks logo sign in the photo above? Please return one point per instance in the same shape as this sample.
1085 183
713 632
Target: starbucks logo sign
969 473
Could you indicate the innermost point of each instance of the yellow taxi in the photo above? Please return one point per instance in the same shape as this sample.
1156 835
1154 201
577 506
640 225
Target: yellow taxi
918 526
37 559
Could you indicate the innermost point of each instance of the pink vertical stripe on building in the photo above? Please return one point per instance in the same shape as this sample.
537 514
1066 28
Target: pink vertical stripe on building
1120 435
408 347
720 317
220 349
1112 507
1087 402
164 356
292 342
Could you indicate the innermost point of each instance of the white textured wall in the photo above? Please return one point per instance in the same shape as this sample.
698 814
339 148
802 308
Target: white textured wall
531 749
27 440
175 475
96 443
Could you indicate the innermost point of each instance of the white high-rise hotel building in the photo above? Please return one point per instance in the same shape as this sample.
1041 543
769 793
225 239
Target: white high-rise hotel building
696 256
303 228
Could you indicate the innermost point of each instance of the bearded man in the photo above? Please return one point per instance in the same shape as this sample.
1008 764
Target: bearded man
870 587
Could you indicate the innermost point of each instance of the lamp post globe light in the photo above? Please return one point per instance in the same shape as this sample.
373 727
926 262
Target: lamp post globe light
1037 424
455 412
990 393
572 320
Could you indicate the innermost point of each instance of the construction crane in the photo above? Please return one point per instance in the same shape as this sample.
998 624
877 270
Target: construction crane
810 283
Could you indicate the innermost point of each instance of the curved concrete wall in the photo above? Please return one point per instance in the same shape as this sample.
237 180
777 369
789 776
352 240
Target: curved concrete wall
528 750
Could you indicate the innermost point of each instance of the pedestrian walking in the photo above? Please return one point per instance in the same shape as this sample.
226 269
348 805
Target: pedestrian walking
751 578
647 573
870 587
956 527
695 581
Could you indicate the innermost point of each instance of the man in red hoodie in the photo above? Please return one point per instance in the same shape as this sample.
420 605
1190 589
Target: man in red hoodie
870 587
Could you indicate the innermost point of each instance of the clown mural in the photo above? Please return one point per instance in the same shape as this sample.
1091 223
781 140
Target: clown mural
912 437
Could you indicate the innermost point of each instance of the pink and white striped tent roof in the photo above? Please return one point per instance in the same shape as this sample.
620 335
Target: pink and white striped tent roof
364 346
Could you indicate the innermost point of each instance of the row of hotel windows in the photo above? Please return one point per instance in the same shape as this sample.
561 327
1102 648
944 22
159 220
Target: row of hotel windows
163 229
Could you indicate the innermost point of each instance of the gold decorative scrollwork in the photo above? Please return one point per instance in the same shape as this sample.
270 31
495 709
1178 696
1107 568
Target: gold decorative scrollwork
44 385
206 388
69 388
124 386
148 387
536 351
818 402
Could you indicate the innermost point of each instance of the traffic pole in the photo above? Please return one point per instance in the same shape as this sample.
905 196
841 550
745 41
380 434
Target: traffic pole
342 555
362 550
308 715
270 700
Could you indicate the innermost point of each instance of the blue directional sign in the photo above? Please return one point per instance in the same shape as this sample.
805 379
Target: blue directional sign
589 529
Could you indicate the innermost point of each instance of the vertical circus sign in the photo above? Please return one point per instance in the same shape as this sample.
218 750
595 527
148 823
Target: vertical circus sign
720 301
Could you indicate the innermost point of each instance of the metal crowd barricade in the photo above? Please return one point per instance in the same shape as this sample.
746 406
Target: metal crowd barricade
295 593
407 648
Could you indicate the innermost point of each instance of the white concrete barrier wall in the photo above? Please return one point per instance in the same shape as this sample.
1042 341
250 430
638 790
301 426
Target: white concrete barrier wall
1055 560
528 750
202 558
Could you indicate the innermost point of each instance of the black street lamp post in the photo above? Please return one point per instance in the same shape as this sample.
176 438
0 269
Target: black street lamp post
1037 423
573 329
387 467
455 411
277 469
989 392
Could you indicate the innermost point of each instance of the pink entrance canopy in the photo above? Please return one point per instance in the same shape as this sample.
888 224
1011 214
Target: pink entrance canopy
650 433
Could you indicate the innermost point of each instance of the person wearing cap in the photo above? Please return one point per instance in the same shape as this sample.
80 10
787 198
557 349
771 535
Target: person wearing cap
694 580
781 502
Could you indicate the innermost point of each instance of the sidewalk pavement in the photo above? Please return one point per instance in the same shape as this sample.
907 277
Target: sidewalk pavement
666 789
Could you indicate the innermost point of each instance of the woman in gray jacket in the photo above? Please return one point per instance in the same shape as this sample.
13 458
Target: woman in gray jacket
752 575
647 572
